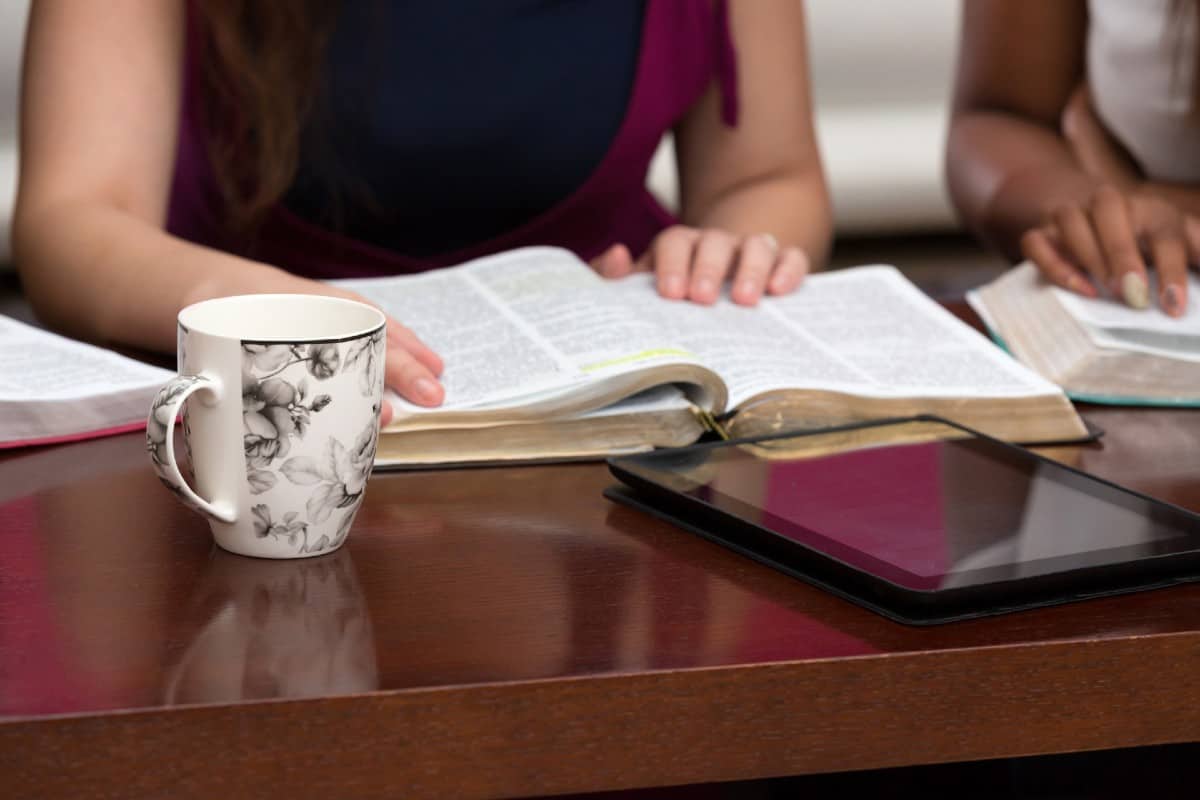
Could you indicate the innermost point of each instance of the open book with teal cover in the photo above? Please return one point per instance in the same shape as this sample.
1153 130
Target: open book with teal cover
1097 350
545 360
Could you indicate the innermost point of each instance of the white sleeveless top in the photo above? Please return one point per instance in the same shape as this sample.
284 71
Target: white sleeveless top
1140 65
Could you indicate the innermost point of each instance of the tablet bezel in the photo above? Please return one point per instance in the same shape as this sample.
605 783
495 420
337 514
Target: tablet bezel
874 590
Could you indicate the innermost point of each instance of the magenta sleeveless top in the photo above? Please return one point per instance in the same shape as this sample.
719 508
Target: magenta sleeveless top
686 45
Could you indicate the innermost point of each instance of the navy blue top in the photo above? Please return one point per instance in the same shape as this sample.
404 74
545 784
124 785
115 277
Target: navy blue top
443 124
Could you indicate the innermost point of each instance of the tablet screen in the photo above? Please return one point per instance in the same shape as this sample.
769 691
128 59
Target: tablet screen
931 515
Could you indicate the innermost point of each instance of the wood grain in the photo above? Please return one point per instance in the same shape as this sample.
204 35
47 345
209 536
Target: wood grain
671 727
507 632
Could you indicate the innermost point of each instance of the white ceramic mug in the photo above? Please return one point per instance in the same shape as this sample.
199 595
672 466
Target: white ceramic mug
280 396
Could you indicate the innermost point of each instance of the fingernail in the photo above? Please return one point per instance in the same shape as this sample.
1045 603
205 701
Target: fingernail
1172 300
705 287
1134 290
427 390
674 286
747 290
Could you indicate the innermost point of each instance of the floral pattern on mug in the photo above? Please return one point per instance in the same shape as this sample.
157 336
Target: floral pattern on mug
156 431
369 351
289 527
278 404
341 475
156 427
276 410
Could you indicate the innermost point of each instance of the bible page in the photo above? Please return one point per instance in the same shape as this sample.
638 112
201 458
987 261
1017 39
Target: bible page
1111 324
865 331
52 387
37 364
1109 313
524 325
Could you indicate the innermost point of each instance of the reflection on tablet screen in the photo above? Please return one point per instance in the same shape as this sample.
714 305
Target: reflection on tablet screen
938 514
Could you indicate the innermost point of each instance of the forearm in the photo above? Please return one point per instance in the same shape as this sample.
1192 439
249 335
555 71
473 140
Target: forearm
98 273
794 208
1006 175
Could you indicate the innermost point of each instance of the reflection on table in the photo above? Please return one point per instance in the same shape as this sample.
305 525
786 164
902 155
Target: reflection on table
274 629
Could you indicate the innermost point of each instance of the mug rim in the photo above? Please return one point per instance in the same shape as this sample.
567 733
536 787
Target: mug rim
188 325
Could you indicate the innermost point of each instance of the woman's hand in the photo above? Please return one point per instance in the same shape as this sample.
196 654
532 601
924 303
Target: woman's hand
410 368
1106 239
1100 243
692 264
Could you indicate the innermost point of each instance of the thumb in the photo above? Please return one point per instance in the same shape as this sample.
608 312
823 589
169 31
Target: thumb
615 262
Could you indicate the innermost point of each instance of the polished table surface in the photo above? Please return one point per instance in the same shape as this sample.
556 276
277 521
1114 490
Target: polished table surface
510 632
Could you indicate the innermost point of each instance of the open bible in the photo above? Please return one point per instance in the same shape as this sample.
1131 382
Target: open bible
547 360
1099 350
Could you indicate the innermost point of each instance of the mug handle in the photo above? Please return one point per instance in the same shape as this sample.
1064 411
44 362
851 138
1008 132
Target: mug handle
160 441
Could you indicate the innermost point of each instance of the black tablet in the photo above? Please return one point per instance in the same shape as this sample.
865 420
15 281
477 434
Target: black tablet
948 524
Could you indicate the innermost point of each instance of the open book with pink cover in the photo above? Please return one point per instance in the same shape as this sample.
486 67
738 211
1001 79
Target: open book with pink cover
54 389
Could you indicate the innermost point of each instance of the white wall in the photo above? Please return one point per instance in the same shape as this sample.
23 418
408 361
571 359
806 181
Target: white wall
882 74
12 33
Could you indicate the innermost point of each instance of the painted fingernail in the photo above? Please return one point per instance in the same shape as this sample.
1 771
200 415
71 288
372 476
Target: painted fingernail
427 390
1134 290
1172 300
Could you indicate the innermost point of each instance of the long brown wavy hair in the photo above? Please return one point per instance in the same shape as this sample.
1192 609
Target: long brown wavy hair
260 77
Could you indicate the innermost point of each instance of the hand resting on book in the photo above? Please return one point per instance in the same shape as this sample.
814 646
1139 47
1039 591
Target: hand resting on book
693 263
1096 247
689 263
1102 245
411 367
1093 178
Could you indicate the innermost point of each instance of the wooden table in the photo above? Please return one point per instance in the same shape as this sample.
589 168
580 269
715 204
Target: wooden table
510 632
